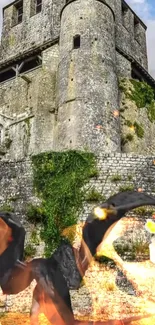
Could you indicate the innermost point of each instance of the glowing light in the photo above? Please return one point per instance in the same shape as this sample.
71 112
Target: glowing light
140 189
132 128
115 113
150 226
153 162
100 213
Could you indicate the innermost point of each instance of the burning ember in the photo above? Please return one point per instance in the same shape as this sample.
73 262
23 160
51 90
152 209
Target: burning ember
115 113
140 190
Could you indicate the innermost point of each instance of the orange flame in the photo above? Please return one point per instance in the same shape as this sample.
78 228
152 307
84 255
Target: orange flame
109 303
116 113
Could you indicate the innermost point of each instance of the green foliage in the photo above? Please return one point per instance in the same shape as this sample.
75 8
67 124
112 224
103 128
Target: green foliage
6 207
116 178
139 130
29 251
141 211
94 196
129 177
126 188
34 237
151 111
59 179
142 94
35 214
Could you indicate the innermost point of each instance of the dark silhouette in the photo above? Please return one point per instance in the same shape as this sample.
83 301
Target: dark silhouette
66 267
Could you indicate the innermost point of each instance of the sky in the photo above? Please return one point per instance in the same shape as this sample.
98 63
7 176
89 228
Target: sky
145 9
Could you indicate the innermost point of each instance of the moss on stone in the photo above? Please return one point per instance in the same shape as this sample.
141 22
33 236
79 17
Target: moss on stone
142 94
139 130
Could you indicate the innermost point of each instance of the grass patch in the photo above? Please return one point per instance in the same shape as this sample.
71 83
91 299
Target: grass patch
126 188
116 178
94 196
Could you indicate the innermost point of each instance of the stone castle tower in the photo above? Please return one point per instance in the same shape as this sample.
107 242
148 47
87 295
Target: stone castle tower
60 62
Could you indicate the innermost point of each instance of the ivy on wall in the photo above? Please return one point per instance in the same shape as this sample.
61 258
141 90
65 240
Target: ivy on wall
144 97
142 94
59 180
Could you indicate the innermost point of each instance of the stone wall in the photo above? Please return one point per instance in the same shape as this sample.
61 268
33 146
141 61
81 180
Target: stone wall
34 30
87 79
17 191
27 110
137 124
37 29
118 171
69 101
133 171
130 37
16 186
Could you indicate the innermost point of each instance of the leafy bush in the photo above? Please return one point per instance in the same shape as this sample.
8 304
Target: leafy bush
59 179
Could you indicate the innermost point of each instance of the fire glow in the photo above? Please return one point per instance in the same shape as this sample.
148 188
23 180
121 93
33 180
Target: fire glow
110 305
116 113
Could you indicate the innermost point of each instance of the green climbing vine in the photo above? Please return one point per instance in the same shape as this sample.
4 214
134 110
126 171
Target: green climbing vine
142 94
59 180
